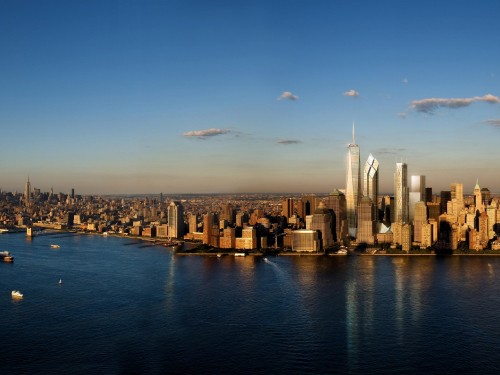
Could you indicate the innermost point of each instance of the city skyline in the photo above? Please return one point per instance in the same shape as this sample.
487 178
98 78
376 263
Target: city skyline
195 97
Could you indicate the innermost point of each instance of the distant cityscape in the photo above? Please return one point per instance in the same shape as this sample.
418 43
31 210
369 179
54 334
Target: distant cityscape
412 220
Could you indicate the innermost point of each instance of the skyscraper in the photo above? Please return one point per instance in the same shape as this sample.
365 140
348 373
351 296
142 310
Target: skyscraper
175 220
401 193
353 184
417 193
27 191
370 176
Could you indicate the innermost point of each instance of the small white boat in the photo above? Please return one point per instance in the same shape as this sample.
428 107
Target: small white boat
342 252
54 246
60 281
266 260
219 255
240 254
16 294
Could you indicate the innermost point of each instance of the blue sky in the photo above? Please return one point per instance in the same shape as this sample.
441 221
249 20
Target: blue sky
234 96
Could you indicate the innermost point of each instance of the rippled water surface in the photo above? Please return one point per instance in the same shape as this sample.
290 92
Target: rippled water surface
125 307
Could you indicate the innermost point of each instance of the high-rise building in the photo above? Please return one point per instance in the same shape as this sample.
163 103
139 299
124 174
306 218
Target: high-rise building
287 207
353 184
401 193
208 221
321 221
370 177
175 219
336 203
417 193
366 221
27 191
478 199
419 220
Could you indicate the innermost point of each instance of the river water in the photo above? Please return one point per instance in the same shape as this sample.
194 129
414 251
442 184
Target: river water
125 307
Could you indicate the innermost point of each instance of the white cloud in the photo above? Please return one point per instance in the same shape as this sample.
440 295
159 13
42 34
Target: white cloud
287 95
288 141
205 133
405 81
495 123
429 105
351 93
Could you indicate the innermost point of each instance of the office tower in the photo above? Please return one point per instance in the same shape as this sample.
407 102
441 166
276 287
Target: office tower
401 193
417 193
420 218
457 194
227 213
72 193
336 202
428 194
445 198
208 221
287 207
322 222
27 191
406 234
193 223
478 200
353 184
175 219
308 204
366 221
370 177
305 240
486 195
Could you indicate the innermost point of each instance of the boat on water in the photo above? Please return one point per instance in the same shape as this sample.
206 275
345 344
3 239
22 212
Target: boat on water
342 252
3 230
16 294
54 246
240 254
6 256
266 260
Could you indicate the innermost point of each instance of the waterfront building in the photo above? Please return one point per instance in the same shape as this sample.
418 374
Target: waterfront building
370 177
305 240
366 221
401 193
491 212
426 236
175 220
353 184
162 231
420 218
228 240
397 230
417 193
208 221
322 222
406 235
248 239
193 223
336 202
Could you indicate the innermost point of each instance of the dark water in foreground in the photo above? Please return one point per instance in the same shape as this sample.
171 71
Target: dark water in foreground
126 308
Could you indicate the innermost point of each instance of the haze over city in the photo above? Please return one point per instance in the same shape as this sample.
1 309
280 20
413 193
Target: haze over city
214 97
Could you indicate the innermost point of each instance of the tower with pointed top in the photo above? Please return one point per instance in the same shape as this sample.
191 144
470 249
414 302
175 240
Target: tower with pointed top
478 197
353 184
27 191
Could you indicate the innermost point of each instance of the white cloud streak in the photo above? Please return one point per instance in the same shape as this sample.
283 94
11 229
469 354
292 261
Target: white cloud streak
288 141
495 123
287 95
429 105
203 134
351 93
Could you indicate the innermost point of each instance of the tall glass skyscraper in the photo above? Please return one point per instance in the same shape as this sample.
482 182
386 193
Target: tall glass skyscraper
370 176
401 193
353 184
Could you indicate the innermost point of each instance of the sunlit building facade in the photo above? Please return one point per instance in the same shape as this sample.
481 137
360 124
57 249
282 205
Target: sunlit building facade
401 193
353 184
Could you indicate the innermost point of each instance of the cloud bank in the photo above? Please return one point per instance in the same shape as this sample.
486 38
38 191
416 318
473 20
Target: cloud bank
351 93
287 95
429 105
203 134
